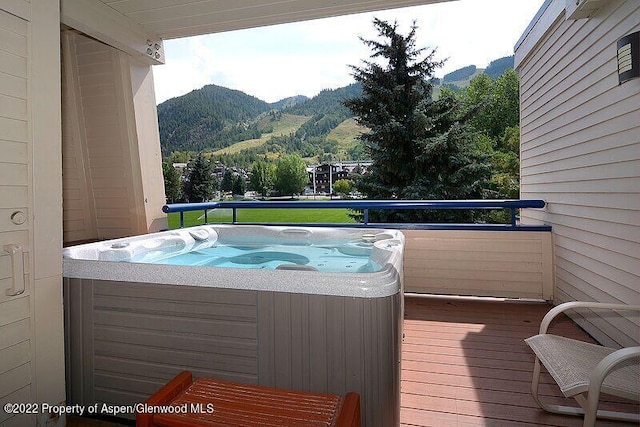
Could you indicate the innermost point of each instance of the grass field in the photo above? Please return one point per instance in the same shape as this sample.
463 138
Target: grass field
293 216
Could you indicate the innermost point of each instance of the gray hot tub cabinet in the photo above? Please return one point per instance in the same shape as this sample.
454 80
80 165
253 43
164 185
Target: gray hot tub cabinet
125 339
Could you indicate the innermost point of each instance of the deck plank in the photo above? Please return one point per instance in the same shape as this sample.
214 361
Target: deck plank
465 363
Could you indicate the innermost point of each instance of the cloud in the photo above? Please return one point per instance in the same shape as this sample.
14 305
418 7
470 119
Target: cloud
303 58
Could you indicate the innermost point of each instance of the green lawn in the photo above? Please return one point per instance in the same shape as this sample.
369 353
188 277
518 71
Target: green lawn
264 216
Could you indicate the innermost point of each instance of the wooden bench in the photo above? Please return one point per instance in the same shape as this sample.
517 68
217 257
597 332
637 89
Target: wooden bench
209 402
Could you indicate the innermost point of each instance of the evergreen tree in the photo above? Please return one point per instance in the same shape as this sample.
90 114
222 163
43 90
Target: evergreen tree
291 175
200 183
227 181
262 177
420 148
172 183
239 186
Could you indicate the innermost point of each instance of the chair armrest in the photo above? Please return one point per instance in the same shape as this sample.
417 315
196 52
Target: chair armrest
546 321
605 366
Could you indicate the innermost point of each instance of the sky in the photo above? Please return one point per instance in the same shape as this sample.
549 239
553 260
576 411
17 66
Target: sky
303 58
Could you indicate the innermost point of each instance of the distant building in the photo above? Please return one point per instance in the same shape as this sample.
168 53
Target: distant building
322 177
180 167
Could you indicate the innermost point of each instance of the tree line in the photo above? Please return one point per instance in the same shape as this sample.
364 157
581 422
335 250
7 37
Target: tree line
287 176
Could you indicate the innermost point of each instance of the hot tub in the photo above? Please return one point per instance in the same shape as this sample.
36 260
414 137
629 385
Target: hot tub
317 309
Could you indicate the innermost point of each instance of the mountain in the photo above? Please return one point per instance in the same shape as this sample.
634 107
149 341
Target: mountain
497 67
327 101
288 102
210 117
230 122
459 74
461 77
327 111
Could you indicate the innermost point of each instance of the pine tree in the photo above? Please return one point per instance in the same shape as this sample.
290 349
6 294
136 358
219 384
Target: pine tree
420 148
227 181
172 183
239 186
200 183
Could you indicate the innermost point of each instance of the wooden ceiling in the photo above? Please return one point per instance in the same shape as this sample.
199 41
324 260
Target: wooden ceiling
170 19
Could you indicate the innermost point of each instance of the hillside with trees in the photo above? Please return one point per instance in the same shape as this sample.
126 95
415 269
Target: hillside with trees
207 118
499 66
468 113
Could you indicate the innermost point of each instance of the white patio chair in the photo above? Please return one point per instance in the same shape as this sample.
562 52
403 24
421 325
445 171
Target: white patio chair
583 370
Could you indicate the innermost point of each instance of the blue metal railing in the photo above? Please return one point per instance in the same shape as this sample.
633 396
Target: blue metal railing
365 205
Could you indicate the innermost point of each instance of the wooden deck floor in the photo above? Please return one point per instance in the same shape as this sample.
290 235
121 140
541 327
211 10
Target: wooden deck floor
464 363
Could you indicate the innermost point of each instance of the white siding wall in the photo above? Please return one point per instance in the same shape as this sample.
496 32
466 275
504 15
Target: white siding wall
580 151
31 330
16 339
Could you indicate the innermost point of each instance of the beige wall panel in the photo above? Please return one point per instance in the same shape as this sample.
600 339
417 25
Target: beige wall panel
15 379
148 147
16 237
587 153
102 90
50 364
13 86
604 171
589 255
15 332
627 185
115 233
99 173
14 309
549 143
119 122
18 26
13 42
574 122
104 194
507 264
13 108
74 214
14 174
89 56
619 200
13 152
20 421
74 226
77 196
603 287
581 153
12 64
11 196
116 213
15 356
13 130
114 223
111 203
